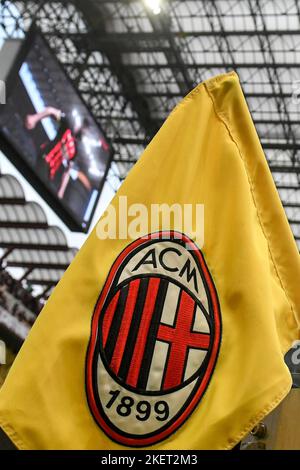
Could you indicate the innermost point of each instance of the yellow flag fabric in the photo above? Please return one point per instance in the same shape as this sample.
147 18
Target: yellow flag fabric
154 342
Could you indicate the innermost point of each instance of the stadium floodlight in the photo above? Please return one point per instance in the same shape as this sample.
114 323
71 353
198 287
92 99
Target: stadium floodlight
154 5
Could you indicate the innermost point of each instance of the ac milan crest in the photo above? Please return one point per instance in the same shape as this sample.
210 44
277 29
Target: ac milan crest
155 337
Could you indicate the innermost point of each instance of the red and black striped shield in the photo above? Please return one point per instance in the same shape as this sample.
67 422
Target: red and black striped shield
155 338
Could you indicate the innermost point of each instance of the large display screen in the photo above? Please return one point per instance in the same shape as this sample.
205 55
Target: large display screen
52 136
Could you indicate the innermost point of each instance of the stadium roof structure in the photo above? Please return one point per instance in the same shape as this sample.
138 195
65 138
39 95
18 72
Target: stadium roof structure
133 62
27 241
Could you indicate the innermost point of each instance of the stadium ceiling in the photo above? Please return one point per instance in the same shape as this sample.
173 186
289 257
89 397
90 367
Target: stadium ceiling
132 67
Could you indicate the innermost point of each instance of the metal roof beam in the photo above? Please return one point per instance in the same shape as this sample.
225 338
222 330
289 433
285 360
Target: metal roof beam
33 265
202 65
34 246
169 94
120 38
295 205
40 282
280 145
96 21
275 121
290 187
275 168
274 78
266 145
173 55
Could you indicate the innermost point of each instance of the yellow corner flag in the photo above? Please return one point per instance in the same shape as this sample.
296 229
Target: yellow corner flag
169 328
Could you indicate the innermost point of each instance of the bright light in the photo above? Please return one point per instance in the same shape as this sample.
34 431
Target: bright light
77 118
89 142
93 170
154 6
